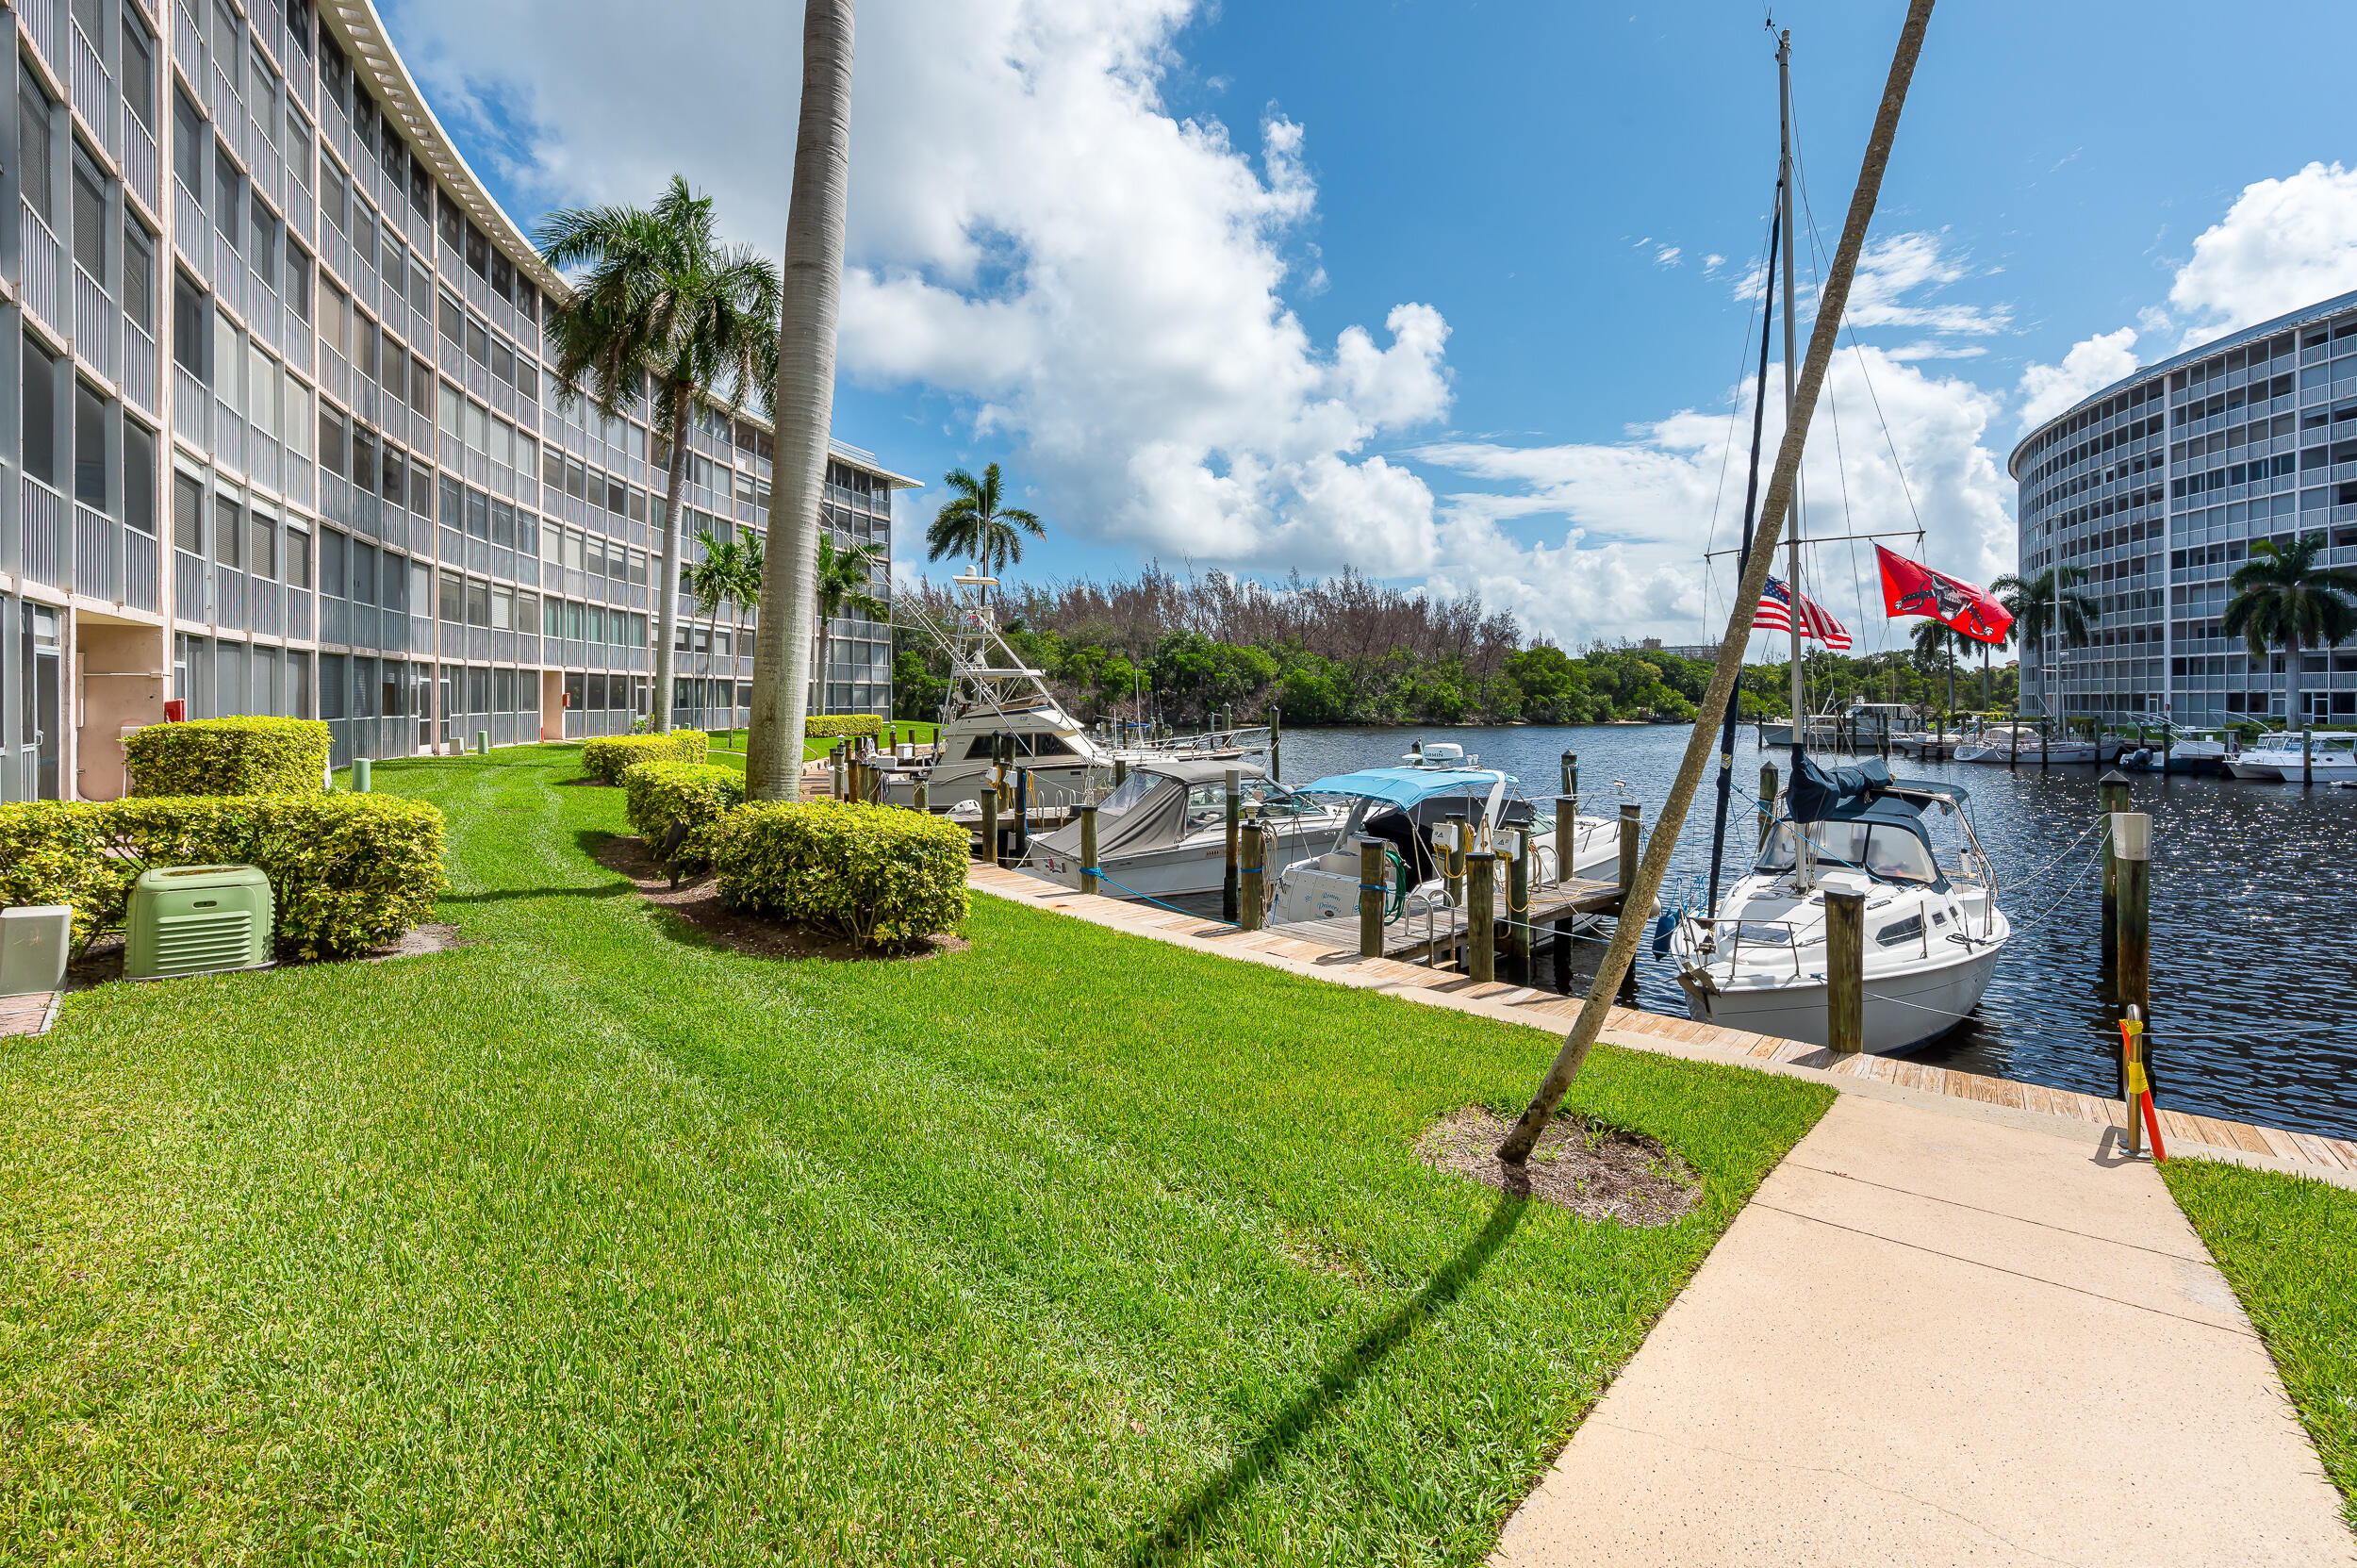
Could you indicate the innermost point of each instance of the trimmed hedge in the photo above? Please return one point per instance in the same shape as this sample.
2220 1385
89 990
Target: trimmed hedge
699 793
607 757
836 726
228 756
347 872
878 874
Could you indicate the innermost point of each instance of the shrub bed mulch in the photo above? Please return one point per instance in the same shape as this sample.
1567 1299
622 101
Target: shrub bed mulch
1595 1171
102 962
697 902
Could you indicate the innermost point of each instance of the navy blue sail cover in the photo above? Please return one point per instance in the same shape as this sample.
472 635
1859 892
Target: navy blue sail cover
1821 794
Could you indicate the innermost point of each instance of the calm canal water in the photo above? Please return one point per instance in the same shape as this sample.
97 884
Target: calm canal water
2253 890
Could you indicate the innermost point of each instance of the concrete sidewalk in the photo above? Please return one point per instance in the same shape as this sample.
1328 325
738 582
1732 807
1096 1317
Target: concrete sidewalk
1935 1338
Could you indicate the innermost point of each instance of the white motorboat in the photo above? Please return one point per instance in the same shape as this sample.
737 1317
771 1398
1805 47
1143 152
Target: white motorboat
1437 754
1163 833
2003 743
2331 758
1933 932
1415 811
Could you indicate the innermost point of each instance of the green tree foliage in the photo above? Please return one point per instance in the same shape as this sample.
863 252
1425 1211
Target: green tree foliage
2284 598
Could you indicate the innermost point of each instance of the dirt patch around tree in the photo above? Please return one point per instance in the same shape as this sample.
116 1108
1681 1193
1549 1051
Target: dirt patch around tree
1596 1171
697 902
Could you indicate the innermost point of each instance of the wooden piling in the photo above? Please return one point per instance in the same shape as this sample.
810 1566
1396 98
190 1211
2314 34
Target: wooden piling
1255 875
1767 784
1022 814
1231 885
1482 917
2307 755
1566 835
1452 857
1571 775
1845 971
2013 739
1518 906
2111 796
1121 772
990 823
1371 889
1631 827
921 796
1562 956
1088 850
2045 743
2168 740
1276 743
2132 840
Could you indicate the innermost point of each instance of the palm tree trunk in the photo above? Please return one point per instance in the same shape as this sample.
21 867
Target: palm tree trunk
666 599
805 400
1703 741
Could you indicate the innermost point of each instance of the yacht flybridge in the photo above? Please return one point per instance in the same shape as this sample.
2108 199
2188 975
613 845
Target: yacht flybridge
1933 932
997 706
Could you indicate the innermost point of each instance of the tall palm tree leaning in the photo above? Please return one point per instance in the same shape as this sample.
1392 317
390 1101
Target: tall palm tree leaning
666 309
2284 599
973 524
2046 604
805 383
710 582
845 581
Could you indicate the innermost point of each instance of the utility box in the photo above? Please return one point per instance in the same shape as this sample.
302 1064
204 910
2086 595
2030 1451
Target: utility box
198 919
34 940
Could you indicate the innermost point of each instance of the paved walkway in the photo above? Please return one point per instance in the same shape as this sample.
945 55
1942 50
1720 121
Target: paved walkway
1954 1327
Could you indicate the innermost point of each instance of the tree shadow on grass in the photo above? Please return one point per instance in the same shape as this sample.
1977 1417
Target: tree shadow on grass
1186 1526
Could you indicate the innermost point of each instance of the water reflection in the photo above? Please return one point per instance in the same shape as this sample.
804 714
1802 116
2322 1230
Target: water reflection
2252 889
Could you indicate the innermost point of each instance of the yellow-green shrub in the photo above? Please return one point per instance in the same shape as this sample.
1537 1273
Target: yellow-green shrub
836 726
875 873
697 793
228 756
606 757
347 872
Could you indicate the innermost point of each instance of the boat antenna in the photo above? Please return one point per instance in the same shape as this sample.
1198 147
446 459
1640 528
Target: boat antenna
1750 509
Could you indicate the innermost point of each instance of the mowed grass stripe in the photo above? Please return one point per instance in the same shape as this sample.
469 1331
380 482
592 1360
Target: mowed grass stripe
591 1241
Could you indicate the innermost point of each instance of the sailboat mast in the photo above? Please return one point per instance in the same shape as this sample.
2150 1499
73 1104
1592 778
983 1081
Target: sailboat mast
1791 363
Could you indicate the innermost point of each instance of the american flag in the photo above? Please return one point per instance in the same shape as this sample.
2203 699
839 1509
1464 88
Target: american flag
1776 615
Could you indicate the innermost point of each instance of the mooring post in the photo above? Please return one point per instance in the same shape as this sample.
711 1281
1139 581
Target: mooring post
1371 891
1276 743
1255 874
1231 885
1452 857
2111 796
1482 917
1517 905
1562 957
835 767
990 823
1022 815
2307 760
2169 744
2132 841
1631 826
1566 835
1768 785
921 796
1570 773
1121 772
1845 971
2013 739
2134 1079
1088 850
2045 743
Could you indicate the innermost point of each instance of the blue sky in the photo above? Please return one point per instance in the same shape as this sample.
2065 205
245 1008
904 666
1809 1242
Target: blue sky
1426 287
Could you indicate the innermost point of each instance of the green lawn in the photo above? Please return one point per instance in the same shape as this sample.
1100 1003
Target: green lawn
2289 1247
592 1243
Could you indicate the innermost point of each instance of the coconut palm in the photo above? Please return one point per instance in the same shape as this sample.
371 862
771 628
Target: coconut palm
805 381
972 523
713 580
2284 599
744 593
2046 604
1938 640
845 581
662 310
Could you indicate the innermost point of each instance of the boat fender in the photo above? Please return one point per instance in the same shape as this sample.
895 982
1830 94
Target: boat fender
1661 929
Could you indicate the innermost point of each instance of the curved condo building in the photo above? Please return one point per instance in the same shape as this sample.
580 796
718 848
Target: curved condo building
288 437
2154 489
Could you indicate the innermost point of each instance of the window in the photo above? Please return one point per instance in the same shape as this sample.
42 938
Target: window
478 602
422 387
331 693
363 459
298 148
335 196
502 609
225 207
454 503
298 287
331 440
478 251
261 560
298 558
228 530
478 341
188 514
139 477
265 244
478 515
363 573
32 143
453 321
420 190
332 566
139 275
449 223
187 146
139 73
40 414
89 215
421 287
364 346
396 470
228 363
295 415
90 447
454 603
336 321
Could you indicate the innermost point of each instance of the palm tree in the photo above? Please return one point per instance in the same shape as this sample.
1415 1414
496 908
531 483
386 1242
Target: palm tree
744 593
1935 638
668 312
2046 604
712 580
805 402
845 580
2284 599
973 524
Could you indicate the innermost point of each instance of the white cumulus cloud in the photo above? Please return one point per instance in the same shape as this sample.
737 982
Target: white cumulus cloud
2284 244
2092 363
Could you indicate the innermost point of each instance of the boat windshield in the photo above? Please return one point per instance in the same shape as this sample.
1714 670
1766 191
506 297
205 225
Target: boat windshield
1880 849
1136 787
1207 803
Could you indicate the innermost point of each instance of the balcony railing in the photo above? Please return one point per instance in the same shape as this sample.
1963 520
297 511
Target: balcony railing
46 539
139 584
139 165
229 598
188 43
94 93
44 24
191 230
97 554
42 263
94 320
298 615
192 407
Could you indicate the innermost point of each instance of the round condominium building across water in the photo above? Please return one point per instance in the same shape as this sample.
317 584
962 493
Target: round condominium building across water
2154 489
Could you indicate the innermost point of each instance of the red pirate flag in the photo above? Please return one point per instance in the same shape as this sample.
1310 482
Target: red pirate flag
1910 588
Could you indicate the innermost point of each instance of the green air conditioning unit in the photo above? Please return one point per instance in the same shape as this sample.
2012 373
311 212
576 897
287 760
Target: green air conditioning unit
197 920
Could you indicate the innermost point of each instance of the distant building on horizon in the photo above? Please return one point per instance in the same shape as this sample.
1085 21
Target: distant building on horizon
2155 486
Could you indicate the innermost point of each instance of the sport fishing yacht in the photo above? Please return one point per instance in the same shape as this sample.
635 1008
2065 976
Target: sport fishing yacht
1163 833
1933 932
2331 758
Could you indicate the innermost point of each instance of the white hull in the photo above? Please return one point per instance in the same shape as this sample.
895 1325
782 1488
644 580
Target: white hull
1903 1009
2064 753
1195 864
